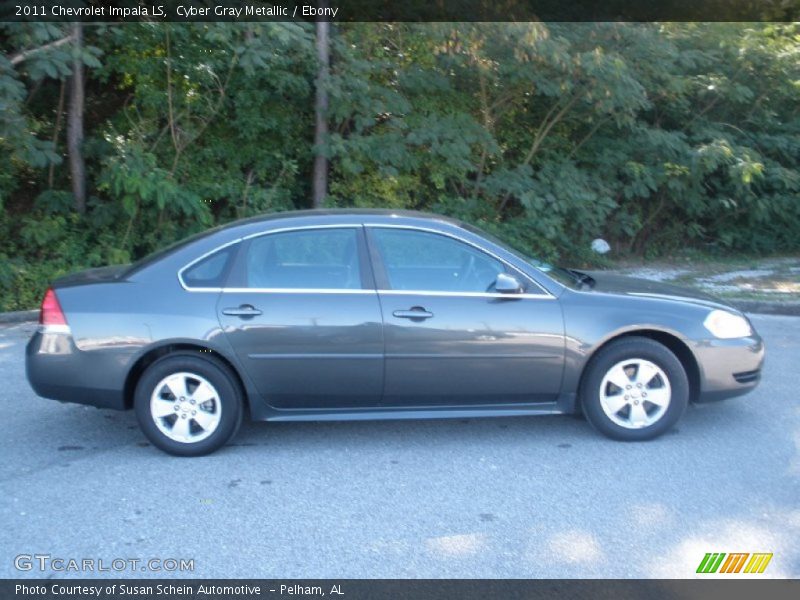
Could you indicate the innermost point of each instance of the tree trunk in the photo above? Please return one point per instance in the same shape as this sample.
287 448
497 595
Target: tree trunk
56 131
320 177
77 168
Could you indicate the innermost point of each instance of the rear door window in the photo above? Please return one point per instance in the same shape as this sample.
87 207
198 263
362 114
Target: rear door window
305 259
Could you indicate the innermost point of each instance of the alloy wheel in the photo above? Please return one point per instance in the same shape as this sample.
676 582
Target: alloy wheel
185 407
635 393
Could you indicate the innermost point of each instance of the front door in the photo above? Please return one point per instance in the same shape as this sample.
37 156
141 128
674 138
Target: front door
449 338
303 316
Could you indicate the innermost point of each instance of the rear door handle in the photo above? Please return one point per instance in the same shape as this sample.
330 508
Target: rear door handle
245 310
415 312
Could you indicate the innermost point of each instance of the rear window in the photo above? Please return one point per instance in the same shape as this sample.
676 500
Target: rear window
154 257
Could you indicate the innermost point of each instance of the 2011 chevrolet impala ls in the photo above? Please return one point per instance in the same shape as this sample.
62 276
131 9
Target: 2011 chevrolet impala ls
324 315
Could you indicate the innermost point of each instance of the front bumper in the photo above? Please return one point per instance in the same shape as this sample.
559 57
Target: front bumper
728 368
58 370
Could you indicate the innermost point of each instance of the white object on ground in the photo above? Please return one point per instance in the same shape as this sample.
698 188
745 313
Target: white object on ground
600 246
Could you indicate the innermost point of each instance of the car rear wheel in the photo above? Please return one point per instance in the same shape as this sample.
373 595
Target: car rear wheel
188 405
634 389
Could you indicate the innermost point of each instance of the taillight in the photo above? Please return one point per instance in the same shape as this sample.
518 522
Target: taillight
51 313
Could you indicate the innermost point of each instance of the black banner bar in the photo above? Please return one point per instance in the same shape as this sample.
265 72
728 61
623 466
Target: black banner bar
398 589
398 10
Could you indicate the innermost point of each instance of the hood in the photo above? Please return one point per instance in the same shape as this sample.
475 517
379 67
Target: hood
643 288
100 275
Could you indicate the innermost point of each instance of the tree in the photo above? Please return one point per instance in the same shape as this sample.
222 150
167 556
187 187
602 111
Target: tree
77 166
655 136
320 174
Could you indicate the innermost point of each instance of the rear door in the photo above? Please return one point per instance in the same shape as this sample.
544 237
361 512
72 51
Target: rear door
303 316
450 339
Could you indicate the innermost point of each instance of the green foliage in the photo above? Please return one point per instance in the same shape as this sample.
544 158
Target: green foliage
657 137
45 244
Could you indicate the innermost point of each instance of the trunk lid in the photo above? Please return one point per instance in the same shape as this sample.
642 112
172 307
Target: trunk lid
89 276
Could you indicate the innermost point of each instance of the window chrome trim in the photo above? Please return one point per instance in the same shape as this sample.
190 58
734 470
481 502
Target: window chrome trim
465 294
238 290
304 227
545 295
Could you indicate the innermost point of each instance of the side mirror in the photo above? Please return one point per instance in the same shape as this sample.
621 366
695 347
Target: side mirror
507 284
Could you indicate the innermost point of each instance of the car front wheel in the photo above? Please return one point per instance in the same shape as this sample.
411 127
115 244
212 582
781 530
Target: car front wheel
634 389
187 405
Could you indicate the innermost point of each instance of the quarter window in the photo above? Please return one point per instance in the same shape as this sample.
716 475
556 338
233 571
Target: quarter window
209 272
423 261
312 259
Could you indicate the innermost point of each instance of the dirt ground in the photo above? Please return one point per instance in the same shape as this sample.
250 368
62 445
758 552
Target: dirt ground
772 279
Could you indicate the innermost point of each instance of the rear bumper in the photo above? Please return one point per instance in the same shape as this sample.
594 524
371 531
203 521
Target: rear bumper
58 370
729 368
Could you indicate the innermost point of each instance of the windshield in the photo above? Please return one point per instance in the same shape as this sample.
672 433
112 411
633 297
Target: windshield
560 274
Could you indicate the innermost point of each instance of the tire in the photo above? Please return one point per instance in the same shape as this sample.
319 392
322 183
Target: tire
634 389
188 405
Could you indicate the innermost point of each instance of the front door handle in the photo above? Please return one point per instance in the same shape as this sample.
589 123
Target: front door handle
415 312
244 311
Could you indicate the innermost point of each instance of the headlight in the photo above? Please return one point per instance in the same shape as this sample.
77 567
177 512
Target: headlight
727 325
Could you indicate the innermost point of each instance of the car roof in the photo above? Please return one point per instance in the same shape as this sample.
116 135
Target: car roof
313 214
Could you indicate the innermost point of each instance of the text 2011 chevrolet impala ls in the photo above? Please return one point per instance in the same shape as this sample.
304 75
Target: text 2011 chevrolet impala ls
325 315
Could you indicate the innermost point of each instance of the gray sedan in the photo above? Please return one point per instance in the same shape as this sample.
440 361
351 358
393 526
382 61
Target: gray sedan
324 315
